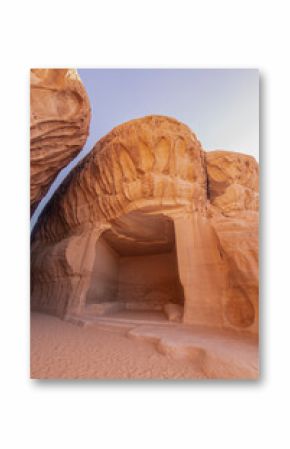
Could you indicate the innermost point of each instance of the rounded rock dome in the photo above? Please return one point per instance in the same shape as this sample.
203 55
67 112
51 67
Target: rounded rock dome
154 161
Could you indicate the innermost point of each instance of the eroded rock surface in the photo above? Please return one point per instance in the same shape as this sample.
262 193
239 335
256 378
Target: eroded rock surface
154 159
233 180
148 195
59 125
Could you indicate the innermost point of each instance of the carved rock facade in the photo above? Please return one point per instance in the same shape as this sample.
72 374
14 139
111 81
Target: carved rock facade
150 219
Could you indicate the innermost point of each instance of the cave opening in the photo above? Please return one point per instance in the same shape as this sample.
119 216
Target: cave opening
135 271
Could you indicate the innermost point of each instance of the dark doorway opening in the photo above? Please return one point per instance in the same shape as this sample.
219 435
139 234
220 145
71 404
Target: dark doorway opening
136 269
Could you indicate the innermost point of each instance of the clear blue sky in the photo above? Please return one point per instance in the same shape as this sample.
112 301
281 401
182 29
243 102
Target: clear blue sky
220 105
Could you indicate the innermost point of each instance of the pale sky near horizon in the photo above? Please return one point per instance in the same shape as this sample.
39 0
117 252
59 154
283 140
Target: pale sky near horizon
221 106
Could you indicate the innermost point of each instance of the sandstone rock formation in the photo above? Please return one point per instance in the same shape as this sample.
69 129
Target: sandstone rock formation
148 219
233 180
59 125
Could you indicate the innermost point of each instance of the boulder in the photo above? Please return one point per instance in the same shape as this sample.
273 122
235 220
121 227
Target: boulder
233 182
174 312
59 125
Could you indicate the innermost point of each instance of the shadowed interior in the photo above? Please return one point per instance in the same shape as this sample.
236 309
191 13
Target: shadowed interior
136 264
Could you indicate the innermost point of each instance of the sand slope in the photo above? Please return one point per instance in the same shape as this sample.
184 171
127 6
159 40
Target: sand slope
63 350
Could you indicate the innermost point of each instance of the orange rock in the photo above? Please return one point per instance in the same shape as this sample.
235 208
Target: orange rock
59 125
225 169
150 217
233 180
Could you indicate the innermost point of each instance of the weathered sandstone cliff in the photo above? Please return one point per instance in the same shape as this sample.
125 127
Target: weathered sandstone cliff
233 181
59 125
149 189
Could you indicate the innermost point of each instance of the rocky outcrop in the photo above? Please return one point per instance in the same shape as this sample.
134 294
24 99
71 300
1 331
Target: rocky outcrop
233 182
59 125
155 159
225 169
145 189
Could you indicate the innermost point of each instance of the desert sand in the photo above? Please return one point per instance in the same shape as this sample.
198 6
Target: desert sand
61 350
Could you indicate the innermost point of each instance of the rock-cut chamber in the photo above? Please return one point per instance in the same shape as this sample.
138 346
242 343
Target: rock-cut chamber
135 267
